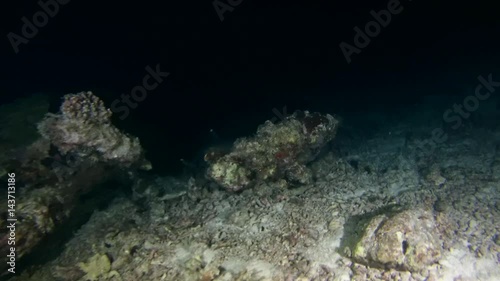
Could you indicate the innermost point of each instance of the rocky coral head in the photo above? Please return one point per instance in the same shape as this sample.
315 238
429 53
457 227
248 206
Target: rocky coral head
85 106
83 128
276 152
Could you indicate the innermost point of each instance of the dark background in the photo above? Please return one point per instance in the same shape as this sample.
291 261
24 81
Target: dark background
229 75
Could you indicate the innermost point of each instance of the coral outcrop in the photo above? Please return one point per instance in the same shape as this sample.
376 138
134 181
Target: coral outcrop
79 150
83 127
277 152
408 240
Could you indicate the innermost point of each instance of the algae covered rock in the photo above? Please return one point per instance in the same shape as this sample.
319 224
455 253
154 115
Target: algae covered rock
78 151
277 151
97 267
408 240
83 128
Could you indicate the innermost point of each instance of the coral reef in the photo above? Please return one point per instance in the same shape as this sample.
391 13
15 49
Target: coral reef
375 208
83 127
277 151
79 149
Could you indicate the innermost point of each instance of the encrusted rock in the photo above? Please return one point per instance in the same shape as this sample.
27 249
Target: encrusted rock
277 151
83 128
79 150
408 240
98 266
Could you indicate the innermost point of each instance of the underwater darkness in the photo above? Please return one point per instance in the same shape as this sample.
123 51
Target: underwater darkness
229 75
213 71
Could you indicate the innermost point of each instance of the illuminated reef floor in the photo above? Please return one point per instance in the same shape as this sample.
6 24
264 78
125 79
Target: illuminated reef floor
381 208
